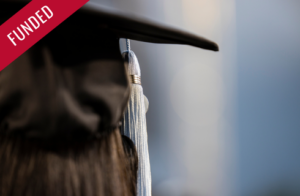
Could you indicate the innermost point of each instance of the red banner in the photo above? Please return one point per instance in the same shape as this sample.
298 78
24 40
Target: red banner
31 24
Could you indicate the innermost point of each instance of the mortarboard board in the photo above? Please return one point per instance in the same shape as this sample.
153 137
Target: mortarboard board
69 65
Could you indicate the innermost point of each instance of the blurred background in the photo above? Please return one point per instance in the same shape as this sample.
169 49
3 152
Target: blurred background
225 123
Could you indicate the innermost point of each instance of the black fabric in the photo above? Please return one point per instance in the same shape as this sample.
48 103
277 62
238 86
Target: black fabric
69 86
129 26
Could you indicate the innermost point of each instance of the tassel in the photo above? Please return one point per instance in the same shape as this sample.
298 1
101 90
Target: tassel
134 123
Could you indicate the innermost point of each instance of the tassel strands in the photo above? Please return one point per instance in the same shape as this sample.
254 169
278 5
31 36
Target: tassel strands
134 122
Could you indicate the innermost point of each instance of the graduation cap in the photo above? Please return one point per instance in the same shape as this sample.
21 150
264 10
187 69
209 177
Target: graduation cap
73 85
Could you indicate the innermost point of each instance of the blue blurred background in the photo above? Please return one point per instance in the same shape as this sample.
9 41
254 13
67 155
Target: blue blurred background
226 123
268 101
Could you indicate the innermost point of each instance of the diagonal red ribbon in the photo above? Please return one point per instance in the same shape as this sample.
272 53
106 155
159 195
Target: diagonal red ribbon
31 24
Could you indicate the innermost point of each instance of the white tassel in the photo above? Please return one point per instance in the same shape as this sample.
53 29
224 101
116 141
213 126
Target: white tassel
134 124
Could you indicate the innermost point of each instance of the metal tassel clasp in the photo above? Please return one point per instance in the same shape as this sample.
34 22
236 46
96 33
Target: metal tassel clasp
135 79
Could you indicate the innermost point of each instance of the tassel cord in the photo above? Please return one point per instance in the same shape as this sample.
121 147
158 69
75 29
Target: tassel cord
128 44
